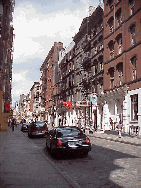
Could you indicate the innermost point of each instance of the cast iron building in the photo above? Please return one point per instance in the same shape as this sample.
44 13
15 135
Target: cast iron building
89 69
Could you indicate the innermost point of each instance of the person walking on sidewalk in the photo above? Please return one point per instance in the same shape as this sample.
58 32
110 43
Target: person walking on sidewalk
119 128
13 123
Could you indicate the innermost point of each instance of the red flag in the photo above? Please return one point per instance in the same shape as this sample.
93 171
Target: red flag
7 106
67 104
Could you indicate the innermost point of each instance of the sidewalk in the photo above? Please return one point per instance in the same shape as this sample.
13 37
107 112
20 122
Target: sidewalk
22 165
113 136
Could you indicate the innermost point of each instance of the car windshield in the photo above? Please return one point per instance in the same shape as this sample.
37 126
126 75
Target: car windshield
68 132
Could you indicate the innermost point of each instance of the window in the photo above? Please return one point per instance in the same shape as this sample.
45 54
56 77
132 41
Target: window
132 30
111 72
95 47
134 107
134 68
118 16
111 47
120 44
132 6
101 63
111 24
120 72
110 2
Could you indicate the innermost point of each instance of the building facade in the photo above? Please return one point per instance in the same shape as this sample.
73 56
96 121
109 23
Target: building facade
122 77
48 77
89 70
6 50
34 101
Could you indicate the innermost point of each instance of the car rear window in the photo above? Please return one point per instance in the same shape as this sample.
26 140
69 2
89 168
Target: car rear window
68 132
40 124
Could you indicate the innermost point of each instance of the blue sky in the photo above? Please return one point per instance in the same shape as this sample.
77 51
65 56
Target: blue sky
37 25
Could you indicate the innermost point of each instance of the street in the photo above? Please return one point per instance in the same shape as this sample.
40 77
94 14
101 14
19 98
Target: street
108 164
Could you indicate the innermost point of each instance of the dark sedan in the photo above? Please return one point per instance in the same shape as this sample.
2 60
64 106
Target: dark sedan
38 128
24 127
67 139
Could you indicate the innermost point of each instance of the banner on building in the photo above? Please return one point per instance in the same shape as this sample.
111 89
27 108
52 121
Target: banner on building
7 106
93 99
67 104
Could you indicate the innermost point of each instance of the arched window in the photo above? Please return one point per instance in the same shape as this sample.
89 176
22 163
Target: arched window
134 67
119 41
118 16
119 68
111 24
111 47
132 34
111 72
132 6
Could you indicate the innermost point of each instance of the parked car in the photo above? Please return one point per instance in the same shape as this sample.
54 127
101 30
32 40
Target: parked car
24 126
67 139
38 128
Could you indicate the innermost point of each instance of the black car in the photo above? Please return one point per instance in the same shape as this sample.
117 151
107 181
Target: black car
24 127
67 139
38 128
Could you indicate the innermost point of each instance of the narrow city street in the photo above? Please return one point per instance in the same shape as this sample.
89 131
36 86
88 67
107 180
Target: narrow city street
109 164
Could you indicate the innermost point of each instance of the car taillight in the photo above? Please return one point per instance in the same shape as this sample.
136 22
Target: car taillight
59 143
87 140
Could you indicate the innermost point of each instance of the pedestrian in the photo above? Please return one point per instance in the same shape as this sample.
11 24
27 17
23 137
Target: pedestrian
119 128
13 123
111 123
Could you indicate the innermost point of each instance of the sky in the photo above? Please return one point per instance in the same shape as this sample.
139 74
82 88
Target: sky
37 25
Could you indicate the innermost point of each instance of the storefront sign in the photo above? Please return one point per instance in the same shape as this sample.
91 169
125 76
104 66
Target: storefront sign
82 103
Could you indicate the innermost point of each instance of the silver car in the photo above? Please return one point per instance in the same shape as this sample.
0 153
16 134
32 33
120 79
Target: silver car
38 128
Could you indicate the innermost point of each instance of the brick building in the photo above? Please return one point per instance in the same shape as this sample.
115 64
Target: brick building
48 77
122 76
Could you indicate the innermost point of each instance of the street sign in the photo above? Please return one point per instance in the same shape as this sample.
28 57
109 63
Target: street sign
93 99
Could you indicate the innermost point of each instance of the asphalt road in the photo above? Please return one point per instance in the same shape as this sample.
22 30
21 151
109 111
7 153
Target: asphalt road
109 164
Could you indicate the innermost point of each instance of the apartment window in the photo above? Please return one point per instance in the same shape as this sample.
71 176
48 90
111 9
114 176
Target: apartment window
134 68
100 40
111 47
95 47
119 41
111 72
111 24
101 62
110 2
132 31
119 16
120 72
134 107
132 6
